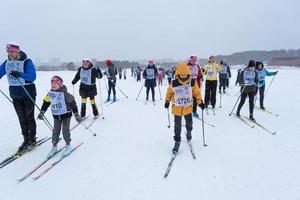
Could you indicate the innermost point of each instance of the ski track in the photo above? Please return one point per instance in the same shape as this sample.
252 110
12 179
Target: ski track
129 155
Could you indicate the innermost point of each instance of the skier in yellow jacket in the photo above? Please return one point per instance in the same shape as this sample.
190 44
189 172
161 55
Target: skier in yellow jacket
211 72
181 92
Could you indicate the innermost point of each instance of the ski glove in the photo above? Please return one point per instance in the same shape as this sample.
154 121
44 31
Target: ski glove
167 104
41 115
78 118
201 105
15 74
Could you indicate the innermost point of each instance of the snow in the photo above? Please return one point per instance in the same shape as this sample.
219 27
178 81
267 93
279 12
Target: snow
128 157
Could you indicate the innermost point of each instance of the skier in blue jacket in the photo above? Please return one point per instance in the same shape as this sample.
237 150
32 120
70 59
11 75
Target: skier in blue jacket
21 74
262 73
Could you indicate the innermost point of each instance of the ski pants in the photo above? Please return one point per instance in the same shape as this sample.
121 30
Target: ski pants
210 92
64 125
177 128
261 95
251 101
111 87
25 111
152 92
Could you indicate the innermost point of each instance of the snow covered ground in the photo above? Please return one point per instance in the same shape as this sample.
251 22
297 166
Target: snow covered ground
129 155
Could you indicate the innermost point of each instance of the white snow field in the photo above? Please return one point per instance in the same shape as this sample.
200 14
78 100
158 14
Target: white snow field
128 157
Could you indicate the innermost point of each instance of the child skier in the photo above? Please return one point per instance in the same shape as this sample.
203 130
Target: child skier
62 105
87 75
262 73
248 80
181 92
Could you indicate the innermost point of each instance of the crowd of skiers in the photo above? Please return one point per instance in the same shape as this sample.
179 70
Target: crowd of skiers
183 94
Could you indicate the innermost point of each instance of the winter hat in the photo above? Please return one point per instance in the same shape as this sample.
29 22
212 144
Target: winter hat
251 63
108 62
151 62
182 69
13 46
58 80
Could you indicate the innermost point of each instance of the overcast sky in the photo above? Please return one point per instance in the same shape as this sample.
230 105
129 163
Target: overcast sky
146 29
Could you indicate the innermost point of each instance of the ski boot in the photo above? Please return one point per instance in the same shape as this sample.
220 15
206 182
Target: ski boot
67 151
52 152
189 136
176 147
23 147
114 99
31 144
262 108
251 118
108 99
238 113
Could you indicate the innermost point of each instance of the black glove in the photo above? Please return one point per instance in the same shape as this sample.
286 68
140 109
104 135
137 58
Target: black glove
41 115
201 105
276 72
78 118
15 74
167 104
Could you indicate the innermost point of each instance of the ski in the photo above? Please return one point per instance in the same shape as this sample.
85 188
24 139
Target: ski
192 149
78 123
207 111
243 120
267 111
17 155
90 124
39 166
55 163
170 165
112 102
261 126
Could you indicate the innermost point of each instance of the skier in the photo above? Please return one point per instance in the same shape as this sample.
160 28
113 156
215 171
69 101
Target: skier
120 73
211 71
87 75
181 92
150 74
125 73
262 73
224 75
197 76
132 71
248 80
21 74
111 73
161 76
62 105
138 74
170 75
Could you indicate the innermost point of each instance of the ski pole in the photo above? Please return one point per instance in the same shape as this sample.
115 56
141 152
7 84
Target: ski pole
220 99
30 97
122 92
139 93
203 135
159 92
101 102
237 100
6 96
73 92
169 126
270 85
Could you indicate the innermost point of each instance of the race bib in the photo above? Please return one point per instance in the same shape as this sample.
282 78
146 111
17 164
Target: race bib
249 77
183 96
86 76
211 72
14 65
150 74
261 75
194 70
58 103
